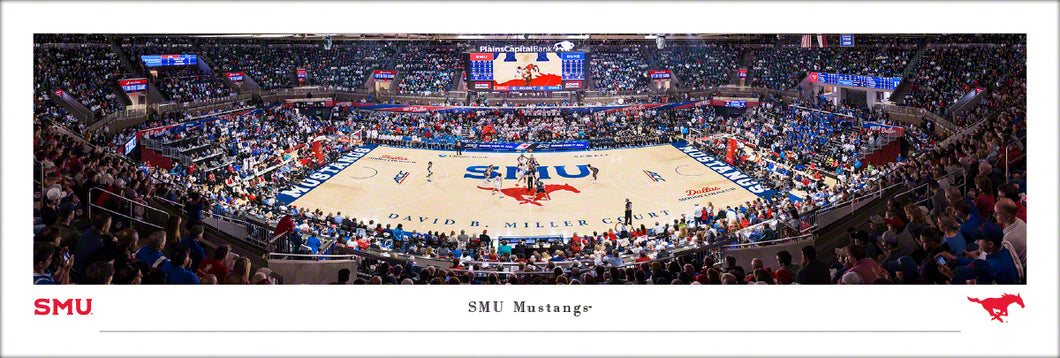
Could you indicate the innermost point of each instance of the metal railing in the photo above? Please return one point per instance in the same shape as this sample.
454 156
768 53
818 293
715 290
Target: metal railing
238 228
162 216
746 245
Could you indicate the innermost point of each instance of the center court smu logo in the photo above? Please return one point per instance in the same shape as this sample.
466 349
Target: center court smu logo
528 196
544 172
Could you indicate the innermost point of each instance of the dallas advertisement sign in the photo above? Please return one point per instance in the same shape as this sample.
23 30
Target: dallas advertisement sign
384 75
133 85
235 76
659 74
884 129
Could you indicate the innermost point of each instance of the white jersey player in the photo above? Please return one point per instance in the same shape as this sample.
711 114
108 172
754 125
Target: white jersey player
430 170
497 186
520 171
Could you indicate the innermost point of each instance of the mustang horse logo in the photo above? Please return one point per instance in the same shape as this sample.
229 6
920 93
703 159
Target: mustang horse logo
998 307
525 196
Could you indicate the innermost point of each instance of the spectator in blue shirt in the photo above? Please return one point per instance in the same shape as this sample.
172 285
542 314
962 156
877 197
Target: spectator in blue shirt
999 258
91 241
43 253
615 260
952 235
192 242
314 243
504 248
151 253
177 271
399 235
970 226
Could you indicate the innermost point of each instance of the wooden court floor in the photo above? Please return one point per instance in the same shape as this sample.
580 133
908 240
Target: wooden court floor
389 185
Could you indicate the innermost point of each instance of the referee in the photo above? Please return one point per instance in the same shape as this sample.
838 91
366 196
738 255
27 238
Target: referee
629 212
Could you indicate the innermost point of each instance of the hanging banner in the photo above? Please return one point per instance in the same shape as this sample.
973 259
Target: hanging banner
730 152
318 152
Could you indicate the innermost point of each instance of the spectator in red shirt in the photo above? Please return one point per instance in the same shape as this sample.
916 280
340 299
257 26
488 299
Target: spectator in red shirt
643 257
985 201
215 265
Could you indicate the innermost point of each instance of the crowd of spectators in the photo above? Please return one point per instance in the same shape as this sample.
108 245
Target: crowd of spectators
87 73
871 61
348 65
428 68
69 38
271 67
188 83
177 83
700 66
782 68
966 202
947 73
621 66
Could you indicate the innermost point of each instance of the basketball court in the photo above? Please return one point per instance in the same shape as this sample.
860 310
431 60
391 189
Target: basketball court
390 185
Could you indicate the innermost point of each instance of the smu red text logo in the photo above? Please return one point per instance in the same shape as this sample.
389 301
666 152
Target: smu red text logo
46 306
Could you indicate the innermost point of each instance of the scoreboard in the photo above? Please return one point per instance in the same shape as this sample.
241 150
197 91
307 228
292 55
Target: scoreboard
884 83
169 60
525 71
573 65
481 68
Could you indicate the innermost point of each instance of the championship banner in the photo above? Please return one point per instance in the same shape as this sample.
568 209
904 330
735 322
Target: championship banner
730 152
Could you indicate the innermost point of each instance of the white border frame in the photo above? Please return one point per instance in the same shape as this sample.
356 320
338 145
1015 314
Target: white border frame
1030 331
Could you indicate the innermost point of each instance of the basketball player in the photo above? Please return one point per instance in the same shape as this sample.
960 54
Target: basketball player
429 171
532 163
594 170
520 172
489 174
497 186
541 190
